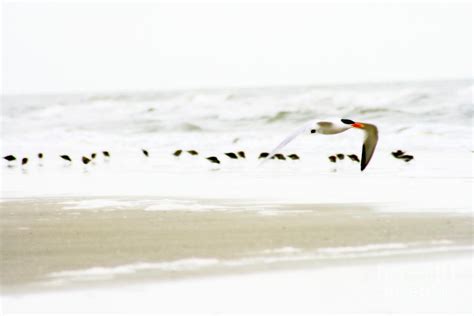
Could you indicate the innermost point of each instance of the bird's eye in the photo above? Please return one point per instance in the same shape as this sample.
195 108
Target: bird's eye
346 121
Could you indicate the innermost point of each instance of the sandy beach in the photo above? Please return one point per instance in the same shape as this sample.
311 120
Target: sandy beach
46 246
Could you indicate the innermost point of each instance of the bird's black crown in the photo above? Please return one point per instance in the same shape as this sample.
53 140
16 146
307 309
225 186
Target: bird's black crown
346 121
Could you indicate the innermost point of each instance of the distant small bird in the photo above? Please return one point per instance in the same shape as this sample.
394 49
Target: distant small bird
279 156
85 160
40 155
231 155
9 158
193 152
294 157
177 153
397 153
332 159
354 157
241 154
145 152
340 156
407 158
263 155
106 154
66 157
213 159
24 161
93 155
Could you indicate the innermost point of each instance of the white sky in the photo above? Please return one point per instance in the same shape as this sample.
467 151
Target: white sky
65 47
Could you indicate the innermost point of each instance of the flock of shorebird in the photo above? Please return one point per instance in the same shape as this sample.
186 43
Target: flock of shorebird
85 160
399 154
325 127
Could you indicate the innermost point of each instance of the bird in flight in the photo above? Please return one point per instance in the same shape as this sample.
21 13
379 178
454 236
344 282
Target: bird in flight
329 127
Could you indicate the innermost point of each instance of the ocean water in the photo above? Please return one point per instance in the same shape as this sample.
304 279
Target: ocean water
430 120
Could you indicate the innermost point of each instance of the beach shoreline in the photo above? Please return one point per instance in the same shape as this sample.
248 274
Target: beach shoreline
51 244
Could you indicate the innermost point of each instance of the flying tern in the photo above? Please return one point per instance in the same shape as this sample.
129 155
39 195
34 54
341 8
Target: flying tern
329 127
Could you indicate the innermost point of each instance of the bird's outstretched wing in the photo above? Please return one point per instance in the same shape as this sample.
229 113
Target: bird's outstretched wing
306 128
370 142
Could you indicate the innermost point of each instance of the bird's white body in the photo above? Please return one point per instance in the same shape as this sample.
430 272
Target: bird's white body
336 126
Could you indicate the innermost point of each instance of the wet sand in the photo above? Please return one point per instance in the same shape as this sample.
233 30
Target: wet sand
40 238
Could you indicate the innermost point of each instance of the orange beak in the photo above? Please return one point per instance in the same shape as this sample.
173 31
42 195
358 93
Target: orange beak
358 125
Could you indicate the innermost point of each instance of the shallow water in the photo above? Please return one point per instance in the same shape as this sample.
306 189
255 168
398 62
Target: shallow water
432 121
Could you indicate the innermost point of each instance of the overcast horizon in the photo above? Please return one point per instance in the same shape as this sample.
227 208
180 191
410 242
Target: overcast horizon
219 88
94 48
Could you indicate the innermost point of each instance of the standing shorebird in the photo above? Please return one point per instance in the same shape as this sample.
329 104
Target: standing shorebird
407 158
279 156
40 158
9 158
330 127
231 155
354 157
213 159
397 153
66 157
